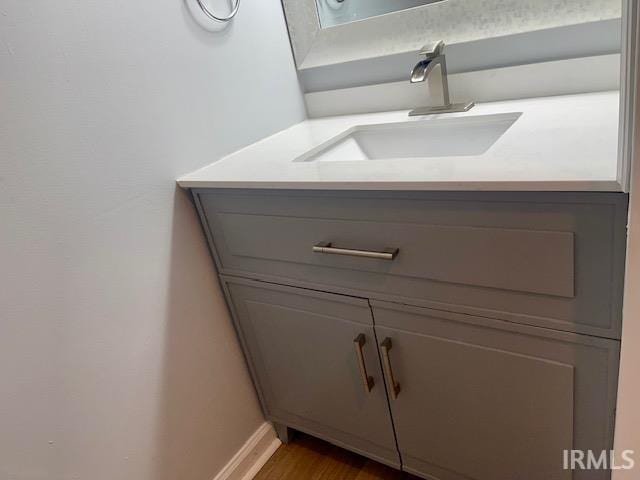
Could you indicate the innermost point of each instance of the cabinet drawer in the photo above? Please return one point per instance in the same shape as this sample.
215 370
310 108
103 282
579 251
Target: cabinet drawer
553 260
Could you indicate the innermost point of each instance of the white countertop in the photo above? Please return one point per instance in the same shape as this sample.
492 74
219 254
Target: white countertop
567 143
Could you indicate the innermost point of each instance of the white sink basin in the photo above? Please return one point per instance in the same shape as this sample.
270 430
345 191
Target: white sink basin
459 136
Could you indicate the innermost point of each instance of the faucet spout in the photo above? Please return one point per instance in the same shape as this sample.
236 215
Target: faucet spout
419 72
433 56
423 69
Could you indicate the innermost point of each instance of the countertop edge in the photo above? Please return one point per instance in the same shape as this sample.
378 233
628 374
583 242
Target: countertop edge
478 186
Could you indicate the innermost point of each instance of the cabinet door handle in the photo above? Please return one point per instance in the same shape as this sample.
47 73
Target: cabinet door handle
386 361
327 247
359 342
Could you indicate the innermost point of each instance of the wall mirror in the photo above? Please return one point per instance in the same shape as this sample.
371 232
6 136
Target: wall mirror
338 12
332 32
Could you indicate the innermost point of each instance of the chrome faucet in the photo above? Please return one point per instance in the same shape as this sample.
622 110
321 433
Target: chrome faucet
434 56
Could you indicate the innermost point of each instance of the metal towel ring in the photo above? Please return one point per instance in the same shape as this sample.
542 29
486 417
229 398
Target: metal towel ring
212 16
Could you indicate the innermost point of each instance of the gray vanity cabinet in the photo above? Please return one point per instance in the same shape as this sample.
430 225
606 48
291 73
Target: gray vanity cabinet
486 400
308 368
453 335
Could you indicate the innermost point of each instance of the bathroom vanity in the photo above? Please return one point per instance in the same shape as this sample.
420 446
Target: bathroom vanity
456 315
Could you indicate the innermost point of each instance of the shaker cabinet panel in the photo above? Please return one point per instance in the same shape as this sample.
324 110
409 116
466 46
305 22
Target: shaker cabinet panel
481 399
315 364
520 260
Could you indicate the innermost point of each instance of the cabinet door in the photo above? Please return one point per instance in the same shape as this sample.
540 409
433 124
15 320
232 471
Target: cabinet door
487 400
309 369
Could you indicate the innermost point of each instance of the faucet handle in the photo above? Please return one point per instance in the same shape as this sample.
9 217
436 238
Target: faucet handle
432 50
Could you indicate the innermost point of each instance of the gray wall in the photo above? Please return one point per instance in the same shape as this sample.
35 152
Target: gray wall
117 358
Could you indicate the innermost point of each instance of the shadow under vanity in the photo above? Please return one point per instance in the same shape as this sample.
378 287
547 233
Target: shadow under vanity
452 335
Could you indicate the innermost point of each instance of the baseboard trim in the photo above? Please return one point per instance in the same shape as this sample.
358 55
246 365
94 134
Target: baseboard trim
252 456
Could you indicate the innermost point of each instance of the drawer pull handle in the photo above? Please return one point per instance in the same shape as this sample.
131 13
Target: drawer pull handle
359 342
327 247
394 386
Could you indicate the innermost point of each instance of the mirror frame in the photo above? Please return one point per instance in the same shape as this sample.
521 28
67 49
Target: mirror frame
454 21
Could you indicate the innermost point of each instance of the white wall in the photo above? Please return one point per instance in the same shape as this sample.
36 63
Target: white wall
628 413
627 434
117 357
628 409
